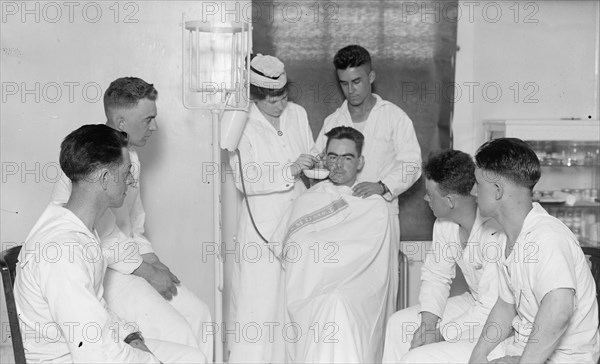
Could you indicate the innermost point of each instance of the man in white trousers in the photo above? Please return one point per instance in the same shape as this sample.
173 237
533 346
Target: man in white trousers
138 286
442 329
59 277
391 151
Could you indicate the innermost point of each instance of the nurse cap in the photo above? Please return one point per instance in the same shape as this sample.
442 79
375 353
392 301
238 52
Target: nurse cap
267 72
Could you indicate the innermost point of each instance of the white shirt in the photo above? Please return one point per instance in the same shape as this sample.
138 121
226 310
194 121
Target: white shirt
121 230
58 293
392 153
546 256
477 260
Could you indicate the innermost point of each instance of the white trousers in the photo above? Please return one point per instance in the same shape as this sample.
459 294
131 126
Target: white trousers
402 325
258 309
184 320
168 352
395 239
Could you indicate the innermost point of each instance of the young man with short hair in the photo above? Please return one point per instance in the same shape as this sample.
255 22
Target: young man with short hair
138 286
391 151
59 295
547 309
337 257
442 329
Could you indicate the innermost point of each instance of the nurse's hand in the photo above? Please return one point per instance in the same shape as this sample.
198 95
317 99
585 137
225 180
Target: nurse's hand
366 189
304 161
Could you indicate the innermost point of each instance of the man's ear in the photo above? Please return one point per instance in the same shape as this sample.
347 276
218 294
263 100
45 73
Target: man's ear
104 176
451 200
361 162
119 121
371 76
499 190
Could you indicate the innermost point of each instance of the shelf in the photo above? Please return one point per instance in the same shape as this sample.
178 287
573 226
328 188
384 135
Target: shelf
567 166
580 205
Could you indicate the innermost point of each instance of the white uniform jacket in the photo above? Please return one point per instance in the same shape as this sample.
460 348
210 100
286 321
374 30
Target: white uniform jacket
58 292
256 283
477 260
121 230
392 153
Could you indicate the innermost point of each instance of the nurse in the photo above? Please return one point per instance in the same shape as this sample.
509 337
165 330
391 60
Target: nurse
273 151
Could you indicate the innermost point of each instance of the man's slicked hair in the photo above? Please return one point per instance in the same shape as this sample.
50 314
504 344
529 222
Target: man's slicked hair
89 148
352 56
510 158
126 92
346 132
452 170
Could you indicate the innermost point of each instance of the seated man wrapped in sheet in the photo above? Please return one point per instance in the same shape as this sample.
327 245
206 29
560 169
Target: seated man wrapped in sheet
337 254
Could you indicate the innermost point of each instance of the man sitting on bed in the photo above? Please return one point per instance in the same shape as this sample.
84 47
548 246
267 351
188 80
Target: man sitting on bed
337 253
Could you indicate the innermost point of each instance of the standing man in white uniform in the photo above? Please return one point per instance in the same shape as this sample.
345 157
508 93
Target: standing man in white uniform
546 311
138 286
448 328
59 278
392 153
274 149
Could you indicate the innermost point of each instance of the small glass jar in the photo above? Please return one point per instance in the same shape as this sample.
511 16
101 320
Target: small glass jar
578 194
586 194
575 155
569 219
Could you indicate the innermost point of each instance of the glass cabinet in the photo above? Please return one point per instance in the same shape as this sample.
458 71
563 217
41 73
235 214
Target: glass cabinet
569 153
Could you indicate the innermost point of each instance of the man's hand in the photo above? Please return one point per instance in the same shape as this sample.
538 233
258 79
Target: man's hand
426 334
139 344
150 258
161 280
506 360
161 266
304 161
366 189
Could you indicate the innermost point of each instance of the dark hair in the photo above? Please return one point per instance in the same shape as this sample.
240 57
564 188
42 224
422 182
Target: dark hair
452 170
89 148
511 158
346 132
126 92
351 56
261 93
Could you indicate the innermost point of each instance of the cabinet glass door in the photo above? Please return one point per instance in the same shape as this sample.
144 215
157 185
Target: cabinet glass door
568 187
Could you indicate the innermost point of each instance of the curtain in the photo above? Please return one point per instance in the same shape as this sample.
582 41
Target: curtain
412 45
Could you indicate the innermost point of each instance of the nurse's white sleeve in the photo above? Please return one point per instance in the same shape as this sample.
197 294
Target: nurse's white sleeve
261 176
438 271
119 250
85 323
407 161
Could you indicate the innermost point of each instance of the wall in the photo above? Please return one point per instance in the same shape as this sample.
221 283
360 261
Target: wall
67 60
524 59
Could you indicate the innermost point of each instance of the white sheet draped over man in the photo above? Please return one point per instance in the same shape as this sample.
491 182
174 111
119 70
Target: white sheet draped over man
337 254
